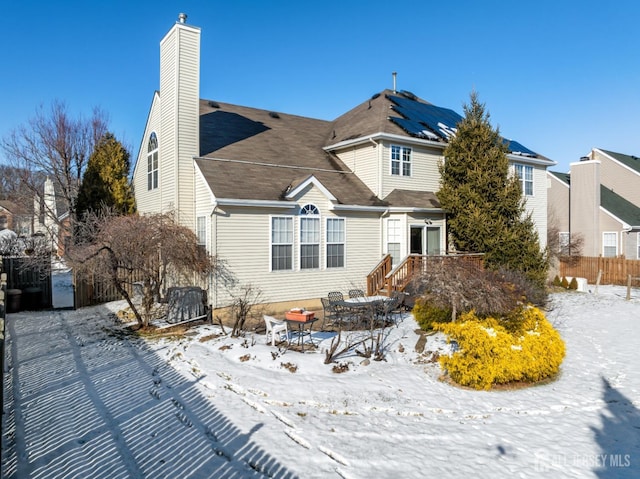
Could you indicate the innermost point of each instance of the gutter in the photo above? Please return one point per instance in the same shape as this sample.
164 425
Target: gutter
254 203
383 136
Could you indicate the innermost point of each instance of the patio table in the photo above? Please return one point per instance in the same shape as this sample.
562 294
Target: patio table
359 305
298 322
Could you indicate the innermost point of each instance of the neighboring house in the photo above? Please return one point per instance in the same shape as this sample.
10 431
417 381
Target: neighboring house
599 200
41 217
299 206
15 217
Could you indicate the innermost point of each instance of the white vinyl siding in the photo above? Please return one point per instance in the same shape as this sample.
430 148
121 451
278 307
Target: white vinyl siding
609 244
638 246
335 243
148 201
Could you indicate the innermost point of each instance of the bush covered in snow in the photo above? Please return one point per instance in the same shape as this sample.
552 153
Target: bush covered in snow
523 346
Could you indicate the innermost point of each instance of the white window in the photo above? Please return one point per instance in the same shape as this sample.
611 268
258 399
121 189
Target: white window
309 237
400 160
201 230
525 175
394 239
281 243
638 246
335 242
152 162
609 244
563 243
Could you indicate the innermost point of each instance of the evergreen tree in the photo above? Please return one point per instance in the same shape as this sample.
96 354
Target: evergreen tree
484 203
105 184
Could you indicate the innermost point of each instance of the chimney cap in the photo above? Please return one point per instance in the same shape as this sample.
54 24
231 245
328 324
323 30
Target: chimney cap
182 17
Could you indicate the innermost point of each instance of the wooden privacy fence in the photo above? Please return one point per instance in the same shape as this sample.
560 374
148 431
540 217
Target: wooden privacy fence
614 270
89 290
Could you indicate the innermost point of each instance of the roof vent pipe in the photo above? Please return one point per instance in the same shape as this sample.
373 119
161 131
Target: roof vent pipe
394 74
182 17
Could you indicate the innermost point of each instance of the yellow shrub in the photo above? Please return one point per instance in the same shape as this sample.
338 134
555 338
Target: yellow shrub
521 347
426 314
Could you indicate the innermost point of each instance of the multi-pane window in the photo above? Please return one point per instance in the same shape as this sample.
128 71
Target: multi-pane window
201 230
563 243
400 160
394 238
309 238
281 243
610 244
525 175
335 242
152 162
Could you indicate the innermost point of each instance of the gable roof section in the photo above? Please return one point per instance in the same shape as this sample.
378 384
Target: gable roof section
368 118
611 202
403 113
254 154
630 161
563 177
620 207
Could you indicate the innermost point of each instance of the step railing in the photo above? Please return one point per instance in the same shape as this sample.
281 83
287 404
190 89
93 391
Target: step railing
385 279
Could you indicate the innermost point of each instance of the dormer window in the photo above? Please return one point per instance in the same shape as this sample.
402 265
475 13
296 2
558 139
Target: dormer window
152 162
400 160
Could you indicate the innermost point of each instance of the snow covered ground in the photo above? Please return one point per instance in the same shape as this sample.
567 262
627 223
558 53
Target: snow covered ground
86 401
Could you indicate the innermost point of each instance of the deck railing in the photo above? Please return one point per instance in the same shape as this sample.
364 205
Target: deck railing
384 279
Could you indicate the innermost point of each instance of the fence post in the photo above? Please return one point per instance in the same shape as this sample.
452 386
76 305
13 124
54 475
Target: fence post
598 280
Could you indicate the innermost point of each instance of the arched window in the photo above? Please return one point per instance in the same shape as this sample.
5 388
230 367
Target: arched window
309 237
152 162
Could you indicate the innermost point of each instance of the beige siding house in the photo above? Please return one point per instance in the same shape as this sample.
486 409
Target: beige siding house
297 206
599 201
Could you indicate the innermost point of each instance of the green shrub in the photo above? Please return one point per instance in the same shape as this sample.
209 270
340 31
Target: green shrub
564 283
521 347
428 313
556 281
573 284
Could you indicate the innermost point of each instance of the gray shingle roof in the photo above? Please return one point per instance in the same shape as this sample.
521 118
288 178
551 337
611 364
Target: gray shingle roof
248 153
611 201
630 161
409 198
620 207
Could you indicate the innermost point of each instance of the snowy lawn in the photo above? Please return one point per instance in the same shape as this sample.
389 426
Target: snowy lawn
90 402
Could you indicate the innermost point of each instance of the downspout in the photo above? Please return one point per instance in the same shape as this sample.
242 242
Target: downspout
214 238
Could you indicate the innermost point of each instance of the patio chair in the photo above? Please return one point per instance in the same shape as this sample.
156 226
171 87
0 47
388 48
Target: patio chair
276 327
356 293
387 309
330 312
335 296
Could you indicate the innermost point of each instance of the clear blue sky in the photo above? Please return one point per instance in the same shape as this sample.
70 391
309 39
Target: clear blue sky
559 76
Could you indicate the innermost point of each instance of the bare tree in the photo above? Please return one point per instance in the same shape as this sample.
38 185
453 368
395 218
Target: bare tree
54 144
458 285
153 246
244 306
567 248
